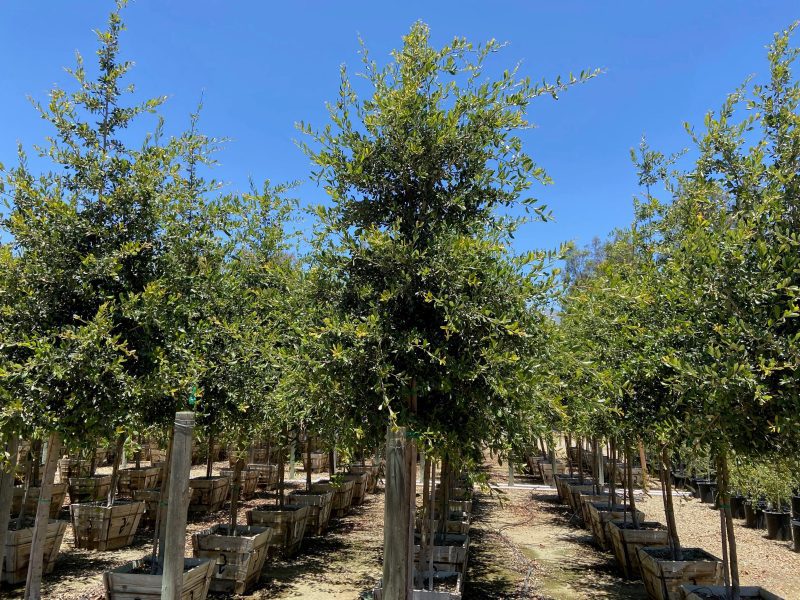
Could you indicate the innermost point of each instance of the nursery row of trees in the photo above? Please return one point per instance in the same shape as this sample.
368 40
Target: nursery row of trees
683 328
132 285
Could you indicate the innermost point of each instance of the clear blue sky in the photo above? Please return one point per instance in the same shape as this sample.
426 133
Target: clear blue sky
263 66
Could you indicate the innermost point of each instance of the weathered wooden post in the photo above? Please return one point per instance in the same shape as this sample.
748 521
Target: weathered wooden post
511 473
7 493
33 584
180 467
397 570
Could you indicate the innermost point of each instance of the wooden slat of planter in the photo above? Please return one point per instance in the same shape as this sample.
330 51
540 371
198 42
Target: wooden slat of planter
342 495
98 527
122 584
18 550
598 519
56 500
360 481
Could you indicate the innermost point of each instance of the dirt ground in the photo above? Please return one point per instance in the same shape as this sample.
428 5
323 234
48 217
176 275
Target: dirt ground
523 544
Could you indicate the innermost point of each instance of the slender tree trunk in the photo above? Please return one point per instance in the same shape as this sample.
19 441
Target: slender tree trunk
569 455
33 584
308 461
331 463
727 518
431 533
281 466
629 460
426 509
210 457
36 447
643 461
118 450
7 494
669 508
580 461
237 487
28 484
612 484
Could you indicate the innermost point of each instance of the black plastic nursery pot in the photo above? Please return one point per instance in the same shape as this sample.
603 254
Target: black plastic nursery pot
796 535
754 515
707 490
778 525
737 507
796 507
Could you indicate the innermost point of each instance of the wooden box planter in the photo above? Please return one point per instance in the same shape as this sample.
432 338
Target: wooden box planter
713 592
57 496
131 480
74 467
89 489
450 552
18 550
319 509
239 558
574 496
151 498
372 471
342 495
248 482
100 527
601 513
583 509
156 455
457 523
561 486
208 494
625 541
267 474
132 581
288 524
319 461
546 470
359 486
447 585
663 577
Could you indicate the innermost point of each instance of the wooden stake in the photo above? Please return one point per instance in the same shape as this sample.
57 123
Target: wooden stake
7 494
33 584
643 461
175 541
396 568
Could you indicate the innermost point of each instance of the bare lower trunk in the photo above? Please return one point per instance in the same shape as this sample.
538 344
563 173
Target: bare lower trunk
629 460
723 484
112 492
7 494
235 491
669 508
33 584
612 485
210 456
580 461
308 462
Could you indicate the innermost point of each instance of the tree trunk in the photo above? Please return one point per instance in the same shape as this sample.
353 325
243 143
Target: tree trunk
179 492
7 494
210 457
669 509
727 519
112 492
308 462
36 450
33 585
427 512
580 461
396 567
612 484
281 466
629 460
643 460
331 463
237 487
